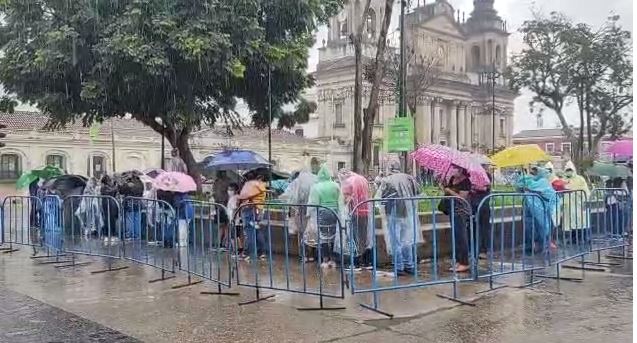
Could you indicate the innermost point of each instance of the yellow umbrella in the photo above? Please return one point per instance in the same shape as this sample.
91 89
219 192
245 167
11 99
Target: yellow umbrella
519 155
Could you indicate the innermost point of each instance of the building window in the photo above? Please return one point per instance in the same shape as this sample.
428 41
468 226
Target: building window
338 115
441 117
443 143
566 148
56 161
502 127
498 55
376 155
549 147
10 168
340 165
475 56
377 118
96 166
343 30
299 132
371 24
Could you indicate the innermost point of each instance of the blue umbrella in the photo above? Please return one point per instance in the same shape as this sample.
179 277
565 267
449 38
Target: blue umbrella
234 160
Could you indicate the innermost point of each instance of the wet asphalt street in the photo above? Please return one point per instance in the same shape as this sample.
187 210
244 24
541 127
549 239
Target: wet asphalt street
23 319
43 304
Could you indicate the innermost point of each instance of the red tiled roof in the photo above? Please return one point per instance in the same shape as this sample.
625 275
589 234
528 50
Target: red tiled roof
30 121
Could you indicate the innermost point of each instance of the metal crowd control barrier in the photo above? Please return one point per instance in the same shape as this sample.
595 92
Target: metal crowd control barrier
402 232
519 228
93 227
571 232
149 231
21 222
51 228
274 259
611 221
202 239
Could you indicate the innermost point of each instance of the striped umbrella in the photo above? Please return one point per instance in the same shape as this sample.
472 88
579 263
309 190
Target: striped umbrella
439 159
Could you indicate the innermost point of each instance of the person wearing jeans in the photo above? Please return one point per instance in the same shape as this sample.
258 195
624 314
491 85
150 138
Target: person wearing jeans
459 186
253 193
402 240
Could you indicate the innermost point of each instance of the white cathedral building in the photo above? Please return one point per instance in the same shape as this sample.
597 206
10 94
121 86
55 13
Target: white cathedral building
456 109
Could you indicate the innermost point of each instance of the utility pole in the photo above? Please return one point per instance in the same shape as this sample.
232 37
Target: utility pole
402 78
270 122
491 76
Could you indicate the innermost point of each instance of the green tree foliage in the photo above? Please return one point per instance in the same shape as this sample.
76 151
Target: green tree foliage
565 63
185 61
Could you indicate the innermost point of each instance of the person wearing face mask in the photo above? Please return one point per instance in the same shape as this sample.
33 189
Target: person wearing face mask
538 209
575 218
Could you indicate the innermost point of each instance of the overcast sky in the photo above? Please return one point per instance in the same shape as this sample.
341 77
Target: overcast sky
515 12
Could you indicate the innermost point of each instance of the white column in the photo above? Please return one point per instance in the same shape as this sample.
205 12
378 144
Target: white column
423 121
453 125
467 126
462 126
435 116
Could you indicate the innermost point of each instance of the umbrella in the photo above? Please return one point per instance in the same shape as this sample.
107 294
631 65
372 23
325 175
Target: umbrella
153 172
45 173
235 160
519 155
175 182
276 175
621 148
609 170
439 158
129 183
65 185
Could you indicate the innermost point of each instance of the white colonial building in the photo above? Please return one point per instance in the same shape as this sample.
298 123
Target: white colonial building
134 146
456 109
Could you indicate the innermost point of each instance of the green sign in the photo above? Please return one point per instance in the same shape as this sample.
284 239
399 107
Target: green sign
399 134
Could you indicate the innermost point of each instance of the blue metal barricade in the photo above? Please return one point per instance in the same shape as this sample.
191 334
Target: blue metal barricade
149 230
21 222
448 245
611 212
203 239
92 226
572 235
52 225
518 230
293 248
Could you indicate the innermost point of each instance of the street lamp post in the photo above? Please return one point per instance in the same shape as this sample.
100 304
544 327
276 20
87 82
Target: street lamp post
402 78
492 75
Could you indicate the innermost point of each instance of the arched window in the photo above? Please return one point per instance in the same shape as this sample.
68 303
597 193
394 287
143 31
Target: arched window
498 54
10 166
475 56
371 24
489 52
96 166
56 160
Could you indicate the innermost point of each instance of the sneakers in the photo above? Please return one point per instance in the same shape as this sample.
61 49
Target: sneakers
331 264
483 256
324 265
262 257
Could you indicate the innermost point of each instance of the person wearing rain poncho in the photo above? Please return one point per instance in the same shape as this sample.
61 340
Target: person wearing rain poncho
355 190
402 231
575 216
89 213
298 193
539 209
326 205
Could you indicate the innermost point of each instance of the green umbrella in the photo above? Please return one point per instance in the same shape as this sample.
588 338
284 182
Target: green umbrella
45 173
609 170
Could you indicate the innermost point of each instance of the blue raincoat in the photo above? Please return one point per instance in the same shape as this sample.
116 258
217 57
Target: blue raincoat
538 210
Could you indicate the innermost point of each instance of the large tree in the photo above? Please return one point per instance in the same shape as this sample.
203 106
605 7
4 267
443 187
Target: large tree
185 61
564 63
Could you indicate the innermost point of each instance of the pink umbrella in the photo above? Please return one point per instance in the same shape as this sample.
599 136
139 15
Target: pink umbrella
175 182
621 148
439 159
